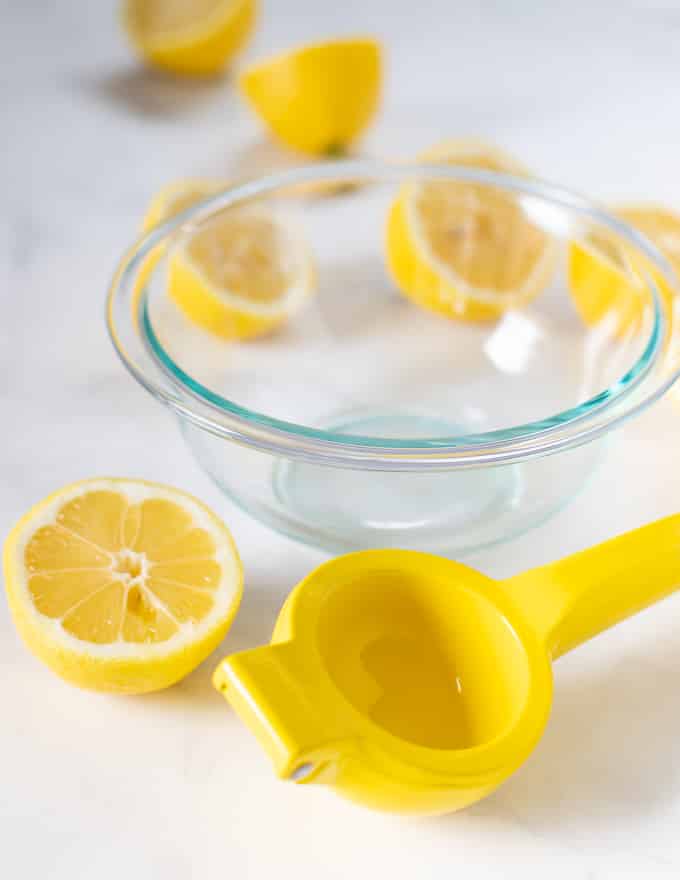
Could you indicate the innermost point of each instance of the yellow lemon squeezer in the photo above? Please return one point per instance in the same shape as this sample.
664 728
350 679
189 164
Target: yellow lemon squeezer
415 684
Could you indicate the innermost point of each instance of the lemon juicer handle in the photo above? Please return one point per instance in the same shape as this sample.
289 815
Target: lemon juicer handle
572 600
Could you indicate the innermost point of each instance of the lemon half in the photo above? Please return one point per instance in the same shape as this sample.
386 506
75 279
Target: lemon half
242 273
189 36
122 585
170 200
465 250
319 98
607 278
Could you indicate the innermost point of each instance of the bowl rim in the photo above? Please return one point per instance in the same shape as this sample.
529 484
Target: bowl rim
140 350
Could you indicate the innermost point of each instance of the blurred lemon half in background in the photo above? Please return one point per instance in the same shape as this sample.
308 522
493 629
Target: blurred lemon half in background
238 274
319 98
241 273
604 285
466 250
607 281
122 585
197 37
170 200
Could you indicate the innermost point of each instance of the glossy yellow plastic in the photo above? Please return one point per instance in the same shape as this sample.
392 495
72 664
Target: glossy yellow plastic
414 684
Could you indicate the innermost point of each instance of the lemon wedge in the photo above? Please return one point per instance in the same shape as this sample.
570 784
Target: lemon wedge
122 585
319 98
189 36
465 250
241 274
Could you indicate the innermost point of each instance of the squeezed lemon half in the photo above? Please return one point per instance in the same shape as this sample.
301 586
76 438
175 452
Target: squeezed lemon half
465 250
189 36
241 273
170 200
122 585
319 98
608 280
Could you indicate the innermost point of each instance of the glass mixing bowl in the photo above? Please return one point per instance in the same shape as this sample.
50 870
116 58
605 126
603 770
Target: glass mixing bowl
368 421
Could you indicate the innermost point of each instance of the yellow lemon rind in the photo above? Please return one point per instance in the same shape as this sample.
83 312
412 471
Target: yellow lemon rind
317 99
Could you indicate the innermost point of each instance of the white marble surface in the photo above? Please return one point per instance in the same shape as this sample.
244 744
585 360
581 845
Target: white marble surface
171 785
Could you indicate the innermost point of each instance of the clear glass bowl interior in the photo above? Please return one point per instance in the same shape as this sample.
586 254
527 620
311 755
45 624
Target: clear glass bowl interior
360 362
362 379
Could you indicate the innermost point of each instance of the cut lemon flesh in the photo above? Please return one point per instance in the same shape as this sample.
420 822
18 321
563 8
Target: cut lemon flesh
242 273
463 249
122 585
189 36
239 254
319 98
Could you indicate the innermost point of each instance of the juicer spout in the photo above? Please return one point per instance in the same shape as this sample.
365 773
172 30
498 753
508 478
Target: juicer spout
276 697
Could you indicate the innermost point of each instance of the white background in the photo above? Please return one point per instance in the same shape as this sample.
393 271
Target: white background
171 785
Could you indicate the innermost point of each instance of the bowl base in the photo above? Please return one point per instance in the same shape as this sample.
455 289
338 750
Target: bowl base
452 513
388 509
